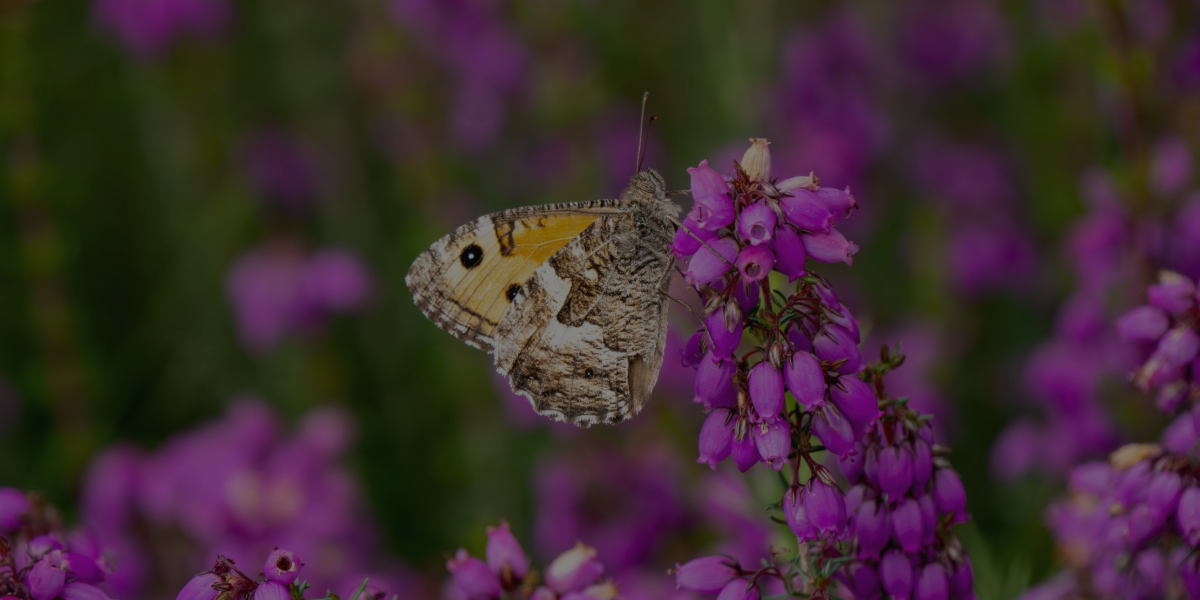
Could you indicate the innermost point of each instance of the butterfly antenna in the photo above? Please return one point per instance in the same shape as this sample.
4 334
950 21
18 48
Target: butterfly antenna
641 119
642 152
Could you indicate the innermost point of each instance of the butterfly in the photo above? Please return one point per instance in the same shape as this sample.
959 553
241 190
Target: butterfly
570 299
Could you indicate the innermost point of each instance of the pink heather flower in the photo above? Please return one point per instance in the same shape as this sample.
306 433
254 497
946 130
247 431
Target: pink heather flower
896 574
829 247
794 514
1188 515
713 209
834 430
1170 166
766 390
855 399
714 377
1178 347
835 342
13 504
200 587
78 590
895 471
805 379
907 525
281 567
574 569
1162 497
724 336
272 590
82 568
335 281
45 580
738 589
837 201
716 437
806 210
922 464
932 585
949 495
789 253
756 224
745 452
1173 293
872 528
690 237
774 442
707 575
1143 324
755 263
706 266
825 507
473 577
863 580
505 552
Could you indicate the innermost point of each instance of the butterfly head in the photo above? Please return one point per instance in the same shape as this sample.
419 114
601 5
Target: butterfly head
646 185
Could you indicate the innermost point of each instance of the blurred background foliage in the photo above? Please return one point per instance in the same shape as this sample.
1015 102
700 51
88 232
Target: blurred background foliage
149 156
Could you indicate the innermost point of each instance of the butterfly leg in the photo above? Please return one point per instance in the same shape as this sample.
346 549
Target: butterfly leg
710 249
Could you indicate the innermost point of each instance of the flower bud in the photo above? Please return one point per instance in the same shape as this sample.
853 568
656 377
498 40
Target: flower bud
473 577
707 574
1178 347
863 580
78 590
45 581
724 336
800 182
755 263
756 162
766 390
907 525
1143 324
794 514
896 575
833 429
932 584
273 590
929 520
837 201
1162 497
789 253
13 504
962 581
805 379
200 587
82 568
852 464
825 507
1188 516
895 471
756 224
949 495
690 237
505 552
829 247
693 350
745 452
281 567
805 210
922 465
574 569
855 399
713 379
706 266
716 437
43 545
834 343
738 589
873 528
1173 293
774 441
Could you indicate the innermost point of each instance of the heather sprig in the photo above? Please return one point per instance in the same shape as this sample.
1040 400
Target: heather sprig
40 560
891 532
281 572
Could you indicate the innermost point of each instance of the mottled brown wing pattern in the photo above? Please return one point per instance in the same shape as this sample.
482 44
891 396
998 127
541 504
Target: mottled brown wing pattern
584 338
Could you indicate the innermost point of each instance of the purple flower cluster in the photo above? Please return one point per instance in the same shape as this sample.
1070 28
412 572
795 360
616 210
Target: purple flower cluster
1170 324
39 561
575 575
235 487
894 527
279 288
281 573
148 27
1130 526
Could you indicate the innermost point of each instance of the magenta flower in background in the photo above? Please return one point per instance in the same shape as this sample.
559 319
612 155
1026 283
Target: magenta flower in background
238 487
943 42
281 169
278 289
147 28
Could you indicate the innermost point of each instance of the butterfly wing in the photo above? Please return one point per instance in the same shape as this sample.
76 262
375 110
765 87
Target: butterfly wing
583 340
465 281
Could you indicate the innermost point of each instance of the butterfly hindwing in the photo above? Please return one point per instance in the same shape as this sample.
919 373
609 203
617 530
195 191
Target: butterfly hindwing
464 281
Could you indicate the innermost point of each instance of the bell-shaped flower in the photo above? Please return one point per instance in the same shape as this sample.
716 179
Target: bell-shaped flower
713 209
895 471
78 590
574 569
929 519
13 504
766 390
873 528
774 441
833 429
1143 324
949 495
724 336
1187 516
690 237
932 584
825 507
714 377
82 568
756 162
835 343
745 452
473 577
273 590
739 589
1162 497
896 574
281 567
907 526
1173 293
1178 347
804 209
200 587
505 557
716 437
829 247
693 350
710 262
837 201
794 514
45 580
922 464
707 574
863 580
855 399
755 263
789 253
756 224
962 580
805 379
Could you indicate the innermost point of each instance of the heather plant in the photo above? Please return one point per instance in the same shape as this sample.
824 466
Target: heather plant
40 559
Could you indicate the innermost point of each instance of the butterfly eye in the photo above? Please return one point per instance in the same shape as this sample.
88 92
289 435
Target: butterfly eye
588 373
471 256
512 291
